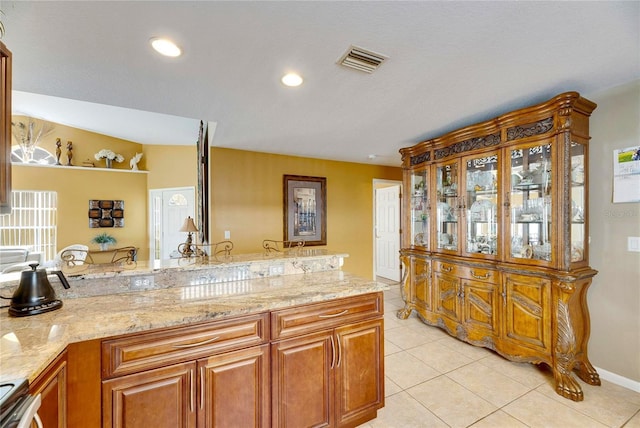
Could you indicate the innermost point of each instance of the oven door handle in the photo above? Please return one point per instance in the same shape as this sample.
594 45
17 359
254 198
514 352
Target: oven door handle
30 414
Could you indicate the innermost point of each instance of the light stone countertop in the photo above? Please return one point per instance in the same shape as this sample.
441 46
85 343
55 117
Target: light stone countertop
29 344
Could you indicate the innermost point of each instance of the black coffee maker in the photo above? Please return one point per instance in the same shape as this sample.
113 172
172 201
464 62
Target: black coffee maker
35 295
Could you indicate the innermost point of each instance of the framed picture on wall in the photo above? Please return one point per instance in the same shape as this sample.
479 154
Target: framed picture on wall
106 213
305 209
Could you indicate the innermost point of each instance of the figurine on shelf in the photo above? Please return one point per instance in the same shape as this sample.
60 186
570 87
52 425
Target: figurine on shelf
58 151
133 163
69 153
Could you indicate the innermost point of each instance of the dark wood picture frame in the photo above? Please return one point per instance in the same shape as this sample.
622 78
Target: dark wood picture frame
106 213
305 209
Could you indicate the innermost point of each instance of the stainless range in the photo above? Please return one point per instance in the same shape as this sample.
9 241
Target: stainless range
18 409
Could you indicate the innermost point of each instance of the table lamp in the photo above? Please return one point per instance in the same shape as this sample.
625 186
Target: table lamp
189 227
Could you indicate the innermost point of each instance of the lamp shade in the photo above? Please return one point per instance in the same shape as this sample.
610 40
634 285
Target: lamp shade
189 226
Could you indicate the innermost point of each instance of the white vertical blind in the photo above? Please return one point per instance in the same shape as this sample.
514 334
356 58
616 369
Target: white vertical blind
32 223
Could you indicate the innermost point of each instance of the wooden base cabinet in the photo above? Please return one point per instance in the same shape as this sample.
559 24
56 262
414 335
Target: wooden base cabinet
234 389
320 364
52 387
495 236
206 375
163 397
329 377
227 390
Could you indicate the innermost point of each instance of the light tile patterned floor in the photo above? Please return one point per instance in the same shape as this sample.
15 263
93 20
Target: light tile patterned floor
434 380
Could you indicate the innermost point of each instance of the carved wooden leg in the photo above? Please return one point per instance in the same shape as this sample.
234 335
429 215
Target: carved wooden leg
566 384
587 373
404 313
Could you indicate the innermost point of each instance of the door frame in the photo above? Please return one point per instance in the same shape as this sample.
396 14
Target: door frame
150 228
377 184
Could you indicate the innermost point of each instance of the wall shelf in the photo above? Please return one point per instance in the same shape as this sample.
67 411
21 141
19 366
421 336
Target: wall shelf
76 167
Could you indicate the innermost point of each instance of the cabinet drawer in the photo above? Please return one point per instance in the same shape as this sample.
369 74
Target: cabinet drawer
308 318
144 351
445 267
480 274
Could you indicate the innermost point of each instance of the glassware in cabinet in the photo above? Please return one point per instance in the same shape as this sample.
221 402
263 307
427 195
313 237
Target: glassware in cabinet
481 204
529 202
448 207
419 208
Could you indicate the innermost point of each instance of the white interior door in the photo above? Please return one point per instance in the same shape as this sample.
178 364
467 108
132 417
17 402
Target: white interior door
169 209
388 232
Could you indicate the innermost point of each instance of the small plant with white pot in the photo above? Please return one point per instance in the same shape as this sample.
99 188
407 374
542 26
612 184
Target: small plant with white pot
104 240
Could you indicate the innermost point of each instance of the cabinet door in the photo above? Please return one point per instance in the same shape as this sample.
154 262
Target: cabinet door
233 389
447 291
359 372
162 397
447 208
527 311
302 381
532 227
52 387
480 309
481 217
421 273
418 208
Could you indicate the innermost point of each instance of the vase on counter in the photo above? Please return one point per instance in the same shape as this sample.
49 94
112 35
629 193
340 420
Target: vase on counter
109 162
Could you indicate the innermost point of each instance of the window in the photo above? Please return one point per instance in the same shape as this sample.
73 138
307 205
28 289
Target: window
32 223
39 156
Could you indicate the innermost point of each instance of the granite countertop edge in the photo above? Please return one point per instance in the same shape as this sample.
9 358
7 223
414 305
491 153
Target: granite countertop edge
29 344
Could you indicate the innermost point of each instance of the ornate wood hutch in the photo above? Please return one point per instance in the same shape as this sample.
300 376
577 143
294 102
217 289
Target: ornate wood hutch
495 236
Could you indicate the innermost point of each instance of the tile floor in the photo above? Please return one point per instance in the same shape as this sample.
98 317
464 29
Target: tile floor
434 380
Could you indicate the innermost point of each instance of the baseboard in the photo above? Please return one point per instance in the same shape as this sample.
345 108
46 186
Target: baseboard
618 380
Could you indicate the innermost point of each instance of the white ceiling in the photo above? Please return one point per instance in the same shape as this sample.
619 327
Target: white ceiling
450 64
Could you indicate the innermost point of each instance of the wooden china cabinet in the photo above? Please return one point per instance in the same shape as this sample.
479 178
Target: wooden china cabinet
495 242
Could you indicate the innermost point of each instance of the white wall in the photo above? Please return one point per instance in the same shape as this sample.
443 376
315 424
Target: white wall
614 296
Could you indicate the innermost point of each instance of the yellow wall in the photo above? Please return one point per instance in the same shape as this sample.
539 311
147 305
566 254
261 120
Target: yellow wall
246 193
86 144
246 199
171 166
75 187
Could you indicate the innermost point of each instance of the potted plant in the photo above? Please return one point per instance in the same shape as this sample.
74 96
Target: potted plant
109 156
104 240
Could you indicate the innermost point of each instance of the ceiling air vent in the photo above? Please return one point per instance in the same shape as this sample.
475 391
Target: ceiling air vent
361 59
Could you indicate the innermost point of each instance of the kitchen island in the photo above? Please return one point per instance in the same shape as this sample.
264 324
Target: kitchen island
281 306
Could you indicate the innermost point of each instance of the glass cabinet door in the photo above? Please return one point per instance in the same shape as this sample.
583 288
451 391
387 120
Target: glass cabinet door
529 199
578 202
419 208
447 207
481 204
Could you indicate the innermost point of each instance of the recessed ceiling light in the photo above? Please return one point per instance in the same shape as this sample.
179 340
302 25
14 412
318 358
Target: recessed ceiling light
165 47
292 79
